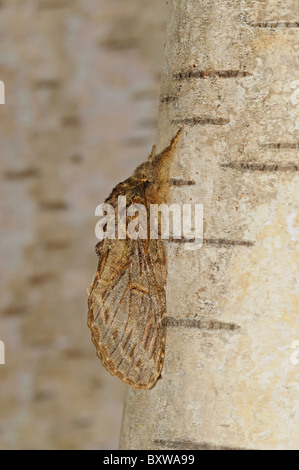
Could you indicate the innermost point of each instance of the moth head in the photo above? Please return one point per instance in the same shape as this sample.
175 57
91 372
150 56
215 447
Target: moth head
145 182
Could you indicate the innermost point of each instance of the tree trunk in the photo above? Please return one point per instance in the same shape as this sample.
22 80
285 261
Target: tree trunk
228 381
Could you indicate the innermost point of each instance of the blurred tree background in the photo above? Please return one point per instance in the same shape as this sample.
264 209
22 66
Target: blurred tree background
82 83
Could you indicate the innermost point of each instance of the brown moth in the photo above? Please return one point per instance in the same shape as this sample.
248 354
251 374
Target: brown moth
127 300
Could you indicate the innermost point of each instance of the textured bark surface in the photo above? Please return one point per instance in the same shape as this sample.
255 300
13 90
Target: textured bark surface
231 76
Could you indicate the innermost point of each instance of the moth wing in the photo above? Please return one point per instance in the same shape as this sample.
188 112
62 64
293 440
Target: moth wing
127 305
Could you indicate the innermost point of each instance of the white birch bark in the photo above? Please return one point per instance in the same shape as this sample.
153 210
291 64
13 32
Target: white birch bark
230 378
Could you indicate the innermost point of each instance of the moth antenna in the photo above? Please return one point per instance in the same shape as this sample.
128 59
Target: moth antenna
172 144
153 153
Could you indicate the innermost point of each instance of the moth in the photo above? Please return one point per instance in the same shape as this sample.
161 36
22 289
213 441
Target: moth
127 298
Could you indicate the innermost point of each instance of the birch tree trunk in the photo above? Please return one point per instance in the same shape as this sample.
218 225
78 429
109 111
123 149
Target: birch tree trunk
229 380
